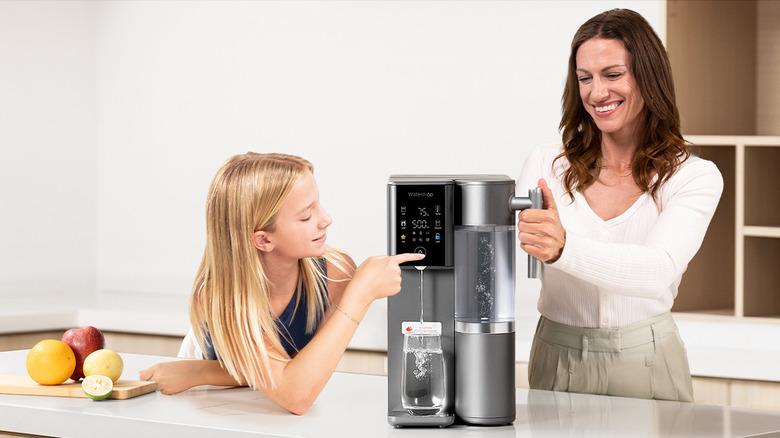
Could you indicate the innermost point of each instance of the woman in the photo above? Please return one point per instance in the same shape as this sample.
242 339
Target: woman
272 306
627 207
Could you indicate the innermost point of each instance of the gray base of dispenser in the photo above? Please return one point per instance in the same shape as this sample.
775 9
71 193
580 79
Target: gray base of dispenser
405 419
485 378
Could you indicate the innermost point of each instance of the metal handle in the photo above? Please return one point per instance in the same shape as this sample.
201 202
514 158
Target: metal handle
534 200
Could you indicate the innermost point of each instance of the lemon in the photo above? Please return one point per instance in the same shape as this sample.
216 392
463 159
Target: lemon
50 362
105 363
97 387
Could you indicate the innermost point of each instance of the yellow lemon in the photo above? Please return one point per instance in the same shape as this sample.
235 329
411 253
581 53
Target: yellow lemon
50 362
105 363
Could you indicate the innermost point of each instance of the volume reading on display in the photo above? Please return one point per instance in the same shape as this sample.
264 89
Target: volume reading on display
420 224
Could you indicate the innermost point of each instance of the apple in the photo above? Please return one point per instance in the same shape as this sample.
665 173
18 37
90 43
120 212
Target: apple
83 341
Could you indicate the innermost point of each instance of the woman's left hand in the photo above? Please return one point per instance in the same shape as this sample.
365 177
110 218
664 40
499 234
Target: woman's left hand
540 231
171 377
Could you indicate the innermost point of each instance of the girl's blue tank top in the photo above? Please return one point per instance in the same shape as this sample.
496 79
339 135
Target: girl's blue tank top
291 324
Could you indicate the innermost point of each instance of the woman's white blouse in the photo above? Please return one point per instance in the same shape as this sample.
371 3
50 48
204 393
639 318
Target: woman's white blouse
626 269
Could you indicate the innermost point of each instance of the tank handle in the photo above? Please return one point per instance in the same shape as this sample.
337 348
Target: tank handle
518 203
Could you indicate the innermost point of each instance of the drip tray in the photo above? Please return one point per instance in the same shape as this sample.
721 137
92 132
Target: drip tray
405 419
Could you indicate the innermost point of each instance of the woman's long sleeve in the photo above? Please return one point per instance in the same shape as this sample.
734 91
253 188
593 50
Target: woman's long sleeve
688 203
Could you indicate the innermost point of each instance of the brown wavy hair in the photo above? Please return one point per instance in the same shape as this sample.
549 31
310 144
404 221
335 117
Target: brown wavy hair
661 147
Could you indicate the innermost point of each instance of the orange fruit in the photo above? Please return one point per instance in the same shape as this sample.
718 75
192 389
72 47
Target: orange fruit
50 362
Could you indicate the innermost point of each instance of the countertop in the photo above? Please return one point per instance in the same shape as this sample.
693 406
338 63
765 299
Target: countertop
733 349
353 405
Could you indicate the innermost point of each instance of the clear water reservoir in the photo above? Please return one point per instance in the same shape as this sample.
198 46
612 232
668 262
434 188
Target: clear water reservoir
485 273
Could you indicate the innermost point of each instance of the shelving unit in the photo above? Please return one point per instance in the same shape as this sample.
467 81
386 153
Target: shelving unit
736 273
735 276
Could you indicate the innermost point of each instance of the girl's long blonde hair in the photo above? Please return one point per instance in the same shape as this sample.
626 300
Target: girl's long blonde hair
231 292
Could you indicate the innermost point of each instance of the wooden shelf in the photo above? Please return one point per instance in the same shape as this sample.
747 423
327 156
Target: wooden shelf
735 275
753 231
715 313
731 140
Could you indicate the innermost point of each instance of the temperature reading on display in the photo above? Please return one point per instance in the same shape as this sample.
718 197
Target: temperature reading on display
420 224
423 211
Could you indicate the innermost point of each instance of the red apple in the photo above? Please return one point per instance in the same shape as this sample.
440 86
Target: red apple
83 341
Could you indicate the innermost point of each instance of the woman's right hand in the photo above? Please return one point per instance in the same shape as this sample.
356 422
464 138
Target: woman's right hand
540 231
380 276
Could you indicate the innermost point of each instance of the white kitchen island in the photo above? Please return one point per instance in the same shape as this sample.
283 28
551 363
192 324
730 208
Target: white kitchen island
352 406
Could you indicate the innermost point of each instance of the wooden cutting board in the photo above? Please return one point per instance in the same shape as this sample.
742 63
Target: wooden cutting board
24 385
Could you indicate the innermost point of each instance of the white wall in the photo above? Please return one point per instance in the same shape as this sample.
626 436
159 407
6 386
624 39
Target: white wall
114 117
361 89
47 150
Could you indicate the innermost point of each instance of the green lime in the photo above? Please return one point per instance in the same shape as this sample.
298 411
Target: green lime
97 387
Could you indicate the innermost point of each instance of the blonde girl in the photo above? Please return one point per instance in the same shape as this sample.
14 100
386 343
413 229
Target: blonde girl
273 307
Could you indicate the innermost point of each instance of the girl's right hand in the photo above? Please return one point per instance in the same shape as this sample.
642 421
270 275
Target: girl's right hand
380 276
171 377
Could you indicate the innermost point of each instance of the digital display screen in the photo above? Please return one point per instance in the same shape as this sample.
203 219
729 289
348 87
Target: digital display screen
420 222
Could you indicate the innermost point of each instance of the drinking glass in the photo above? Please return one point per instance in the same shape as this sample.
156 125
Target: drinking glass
423 377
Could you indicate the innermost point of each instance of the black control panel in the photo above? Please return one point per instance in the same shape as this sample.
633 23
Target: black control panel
421 223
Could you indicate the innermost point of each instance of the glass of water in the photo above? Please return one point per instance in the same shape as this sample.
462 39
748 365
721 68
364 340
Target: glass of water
423 375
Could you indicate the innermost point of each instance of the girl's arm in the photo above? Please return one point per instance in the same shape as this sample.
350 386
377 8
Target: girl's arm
182 375
300 380
178 376
338 282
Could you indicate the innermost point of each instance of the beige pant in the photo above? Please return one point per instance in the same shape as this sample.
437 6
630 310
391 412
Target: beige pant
644 360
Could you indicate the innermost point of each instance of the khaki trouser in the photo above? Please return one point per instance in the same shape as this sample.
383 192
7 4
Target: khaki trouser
644 360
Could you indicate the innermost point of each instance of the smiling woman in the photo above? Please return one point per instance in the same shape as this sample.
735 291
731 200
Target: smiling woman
627 207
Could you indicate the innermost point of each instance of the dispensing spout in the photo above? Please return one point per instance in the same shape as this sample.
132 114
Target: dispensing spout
517 203
422 302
